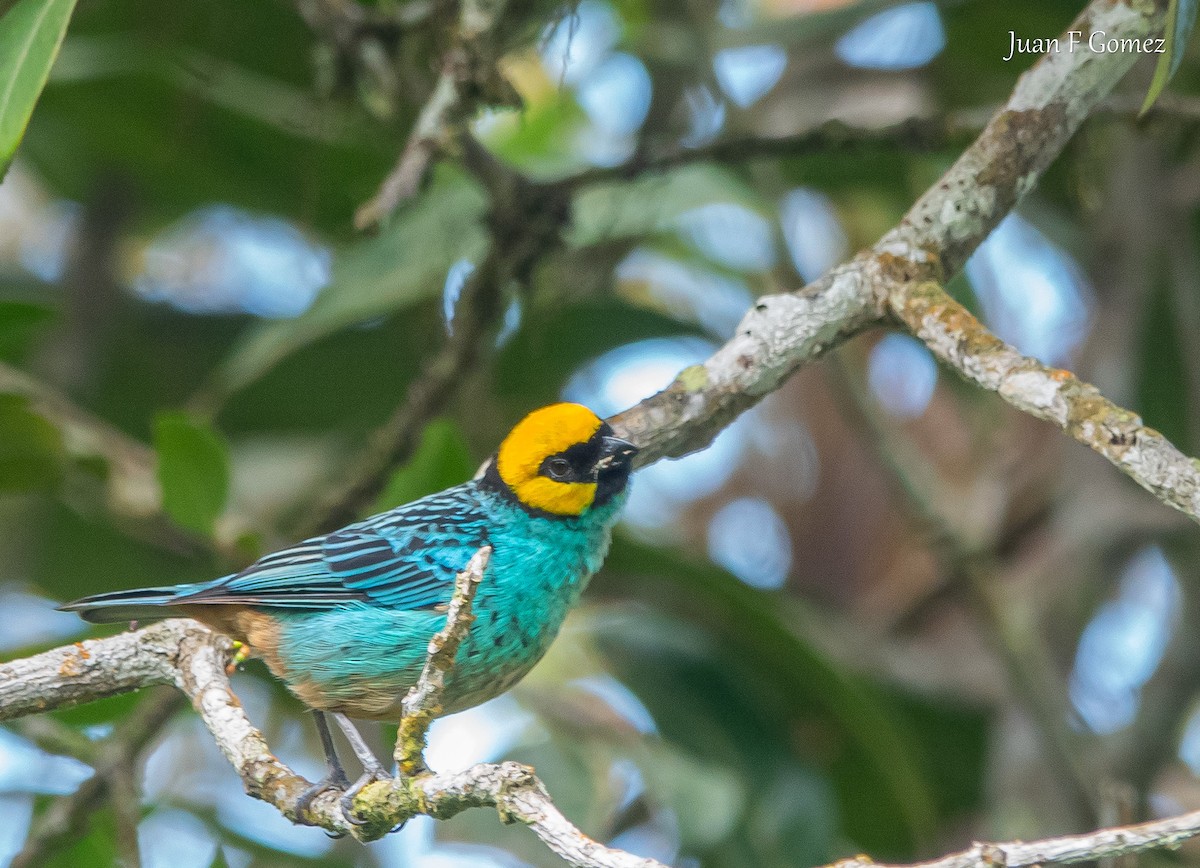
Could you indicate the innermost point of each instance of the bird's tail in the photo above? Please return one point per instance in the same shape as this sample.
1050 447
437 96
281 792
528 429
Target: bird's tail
135 605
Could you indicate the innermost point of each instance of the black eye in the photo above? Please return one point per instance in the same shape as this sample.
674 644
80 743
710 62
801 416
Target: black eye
558 468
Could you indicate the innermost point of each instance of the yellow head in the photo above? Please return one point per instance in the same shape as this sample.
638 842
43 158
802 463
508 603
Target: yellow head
563 459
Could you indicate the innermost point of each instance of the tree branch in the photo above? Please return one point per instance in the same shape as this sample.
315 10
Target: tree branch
917 134
914 134
424 701
468 70
896 278
195 660
1078 409
92 669
1066 850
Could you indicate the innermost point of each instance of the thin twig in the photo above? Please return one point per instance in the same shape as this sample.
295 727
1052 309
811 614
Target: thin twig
395 440
424 701
915 134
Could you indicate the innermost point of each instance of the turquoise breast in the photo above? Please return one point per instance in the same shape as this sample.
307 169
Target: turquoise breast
361 658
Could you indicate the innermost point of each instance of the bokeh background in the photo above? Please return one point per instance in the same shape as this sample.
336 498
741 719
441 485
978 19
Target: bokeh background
883 612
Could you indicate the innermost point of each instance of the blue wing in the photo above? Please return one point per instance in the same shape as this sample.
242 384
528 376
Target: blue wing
406 558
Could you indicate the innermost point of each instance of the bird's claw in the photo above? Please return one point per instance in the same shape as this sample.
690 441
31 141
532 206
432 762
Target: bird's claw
329 782
369 776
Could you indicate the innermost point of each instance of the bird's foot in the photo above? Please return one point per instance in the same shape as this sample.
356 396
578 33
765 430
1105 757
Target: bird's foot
241 653
329 782
374 772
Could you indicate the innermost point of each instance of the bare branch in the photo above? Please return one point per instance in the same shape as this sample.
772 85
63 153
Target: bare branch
92 669
914 134
199 669
1077 408
917 134
787 330
468 69
1101 844
396 439
424 701
195 659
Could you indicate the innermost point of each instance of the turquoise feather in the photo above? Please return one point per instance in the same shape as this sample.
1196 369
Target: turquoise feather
369 655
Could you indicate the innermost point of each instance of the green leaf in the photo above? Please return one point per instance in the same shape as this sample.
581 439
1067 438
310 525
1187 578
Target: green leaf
404 265
193 470
633 209
442 459
1161 373
19 323
1181 19
30 35
31 449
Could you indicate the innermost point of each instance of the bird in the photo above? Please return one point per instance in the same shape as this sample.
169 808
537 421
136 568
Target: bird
344 619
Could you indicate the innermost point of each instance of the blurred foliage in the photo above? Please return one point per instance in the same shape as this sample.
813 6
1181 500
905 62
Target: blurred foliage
687 712
30 35
30 447
1181 19
193 471
442 459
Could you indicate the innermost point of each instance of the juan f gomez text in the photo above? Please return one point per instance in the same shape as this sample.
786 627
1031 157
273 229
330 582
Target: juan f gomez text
1098 42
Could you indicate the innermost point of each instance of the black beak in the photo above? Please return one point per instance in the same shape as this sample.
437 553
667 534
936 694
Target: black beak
615 453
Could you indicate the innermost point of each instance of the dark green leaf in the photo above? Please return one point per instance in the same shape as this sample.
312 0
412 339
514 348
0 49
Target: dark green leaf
19 322
193 470
1162 370
30 35
31 449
